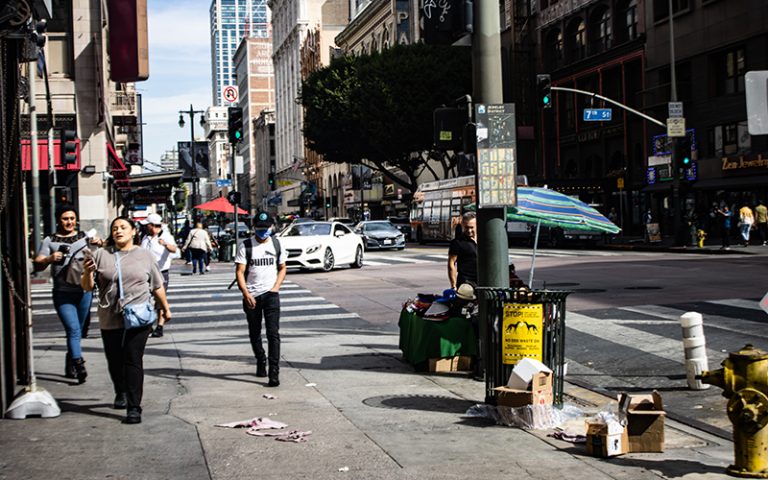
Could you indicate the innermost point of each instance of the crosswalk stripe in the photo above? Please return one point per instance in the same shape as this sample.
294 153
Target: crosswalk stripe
738 302
672 314
616 331
397 260
372 263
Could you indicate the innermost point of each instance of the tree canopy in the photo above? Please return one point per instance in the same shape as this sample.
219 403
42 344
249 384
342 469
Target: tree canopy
378 108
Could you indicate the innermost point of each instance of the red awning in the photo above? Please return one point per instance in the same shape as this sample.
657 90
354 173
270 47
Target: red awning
117 168
42 154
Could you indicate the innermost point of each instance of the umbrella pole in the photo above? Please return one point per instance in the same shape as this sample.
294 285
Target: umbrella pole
533 258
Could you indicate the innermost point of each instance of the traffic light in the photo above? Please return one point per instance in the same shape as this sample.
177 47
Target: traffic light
271 181
544 89
235 115
684 151
68 147
327 203
234 198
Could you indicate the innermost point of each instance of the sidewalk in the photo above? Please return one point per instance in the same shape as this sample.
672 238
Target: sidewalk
667 244
341 379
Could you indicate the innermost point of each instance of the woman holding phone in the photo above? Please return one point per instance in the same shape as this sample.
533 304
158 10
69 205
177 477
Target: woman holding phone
126 275
64 251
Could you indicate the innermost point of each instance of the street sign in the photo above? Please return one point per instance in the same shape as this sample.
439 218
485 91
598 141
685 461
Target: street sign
676 127
230 94
223 182
764 303
756 89
496 155
620 183
675 109
598 114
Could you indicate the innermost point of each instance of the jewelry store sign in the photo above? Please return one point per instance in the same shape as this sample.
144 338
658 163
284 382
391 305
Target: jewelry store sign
496 155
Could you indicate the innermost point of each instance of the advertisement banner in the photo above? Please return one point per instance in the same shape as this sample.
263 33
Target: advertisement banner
201 162
522 334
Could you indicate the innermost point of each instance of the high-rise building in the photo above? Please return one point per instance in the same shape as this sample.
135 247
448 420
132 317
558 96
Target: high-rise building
231 21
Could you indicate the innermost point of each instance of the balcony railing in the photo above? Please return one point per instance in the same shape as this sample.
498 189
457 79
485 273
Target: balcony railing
122 102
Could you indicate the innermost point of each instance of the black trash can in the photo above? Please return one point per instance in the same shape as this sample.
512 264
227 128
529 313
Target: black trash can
226 249
512 330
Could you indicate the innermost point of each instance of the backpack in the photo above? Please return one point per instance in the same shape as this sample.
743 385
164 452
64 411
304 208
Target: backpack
248 243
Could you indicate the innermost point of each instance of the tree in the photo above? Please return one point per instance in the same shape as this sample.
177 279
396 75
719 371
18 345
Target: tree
377 109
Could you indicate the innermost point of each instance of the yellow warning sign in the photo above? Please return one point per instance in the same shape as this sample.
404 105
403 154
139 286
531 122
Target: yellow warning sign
522 332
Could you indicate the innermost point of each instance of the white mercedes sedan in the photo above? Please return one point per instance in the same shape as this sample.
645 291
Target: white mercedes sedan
321 245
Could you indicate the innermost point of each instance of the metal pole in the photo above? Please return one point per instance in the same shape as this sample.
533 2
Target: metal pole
35 156
677 216
493 253
192 154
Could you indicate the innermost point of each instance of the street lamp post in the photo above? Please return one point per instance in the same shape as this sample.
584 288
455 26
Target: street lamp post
192 112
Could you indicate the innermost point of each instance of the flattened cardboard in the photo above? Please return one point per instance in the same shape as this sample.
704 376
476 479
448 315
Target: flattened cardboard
539 394
645 423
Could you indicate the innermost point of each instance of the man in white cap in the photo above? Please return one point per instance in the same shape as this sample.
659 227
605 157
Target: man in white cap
161 243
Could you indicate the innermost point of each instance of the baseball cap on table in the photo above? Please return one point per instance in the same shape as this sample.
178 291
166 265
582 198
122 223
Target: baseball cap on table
262 220
152 218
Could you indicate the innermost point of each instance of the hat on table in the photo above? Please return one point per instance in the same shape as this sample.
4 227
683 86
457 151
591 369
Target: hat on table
465 292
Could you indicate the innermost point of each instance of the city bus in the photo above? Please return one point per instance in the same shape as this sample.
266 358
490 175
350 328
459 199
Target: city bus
437 207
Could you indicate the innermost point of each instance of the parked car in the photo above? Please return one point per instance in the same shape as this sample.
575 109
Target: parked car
321 245
215 230
380 234
403 224
242 229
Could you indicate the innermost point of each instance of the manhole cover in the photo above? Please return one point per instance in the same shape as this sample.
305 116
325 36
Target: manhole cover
642 288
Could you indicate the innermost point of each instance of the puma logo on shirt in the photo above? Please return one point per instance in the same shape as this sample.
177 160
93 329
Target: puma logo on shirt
261 262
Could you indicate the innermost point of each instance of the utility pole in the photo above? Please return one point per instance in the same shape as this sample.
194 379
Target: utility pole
677 216
35 157
192 112
493 253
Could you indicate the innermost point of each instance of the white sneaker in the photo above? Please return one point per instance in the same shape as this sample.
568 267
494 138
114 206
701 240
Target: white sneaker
207 269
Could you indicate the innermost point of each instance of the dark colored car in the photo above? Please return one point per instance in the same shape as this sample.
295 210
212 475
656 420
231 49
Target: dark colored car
403 224
380 234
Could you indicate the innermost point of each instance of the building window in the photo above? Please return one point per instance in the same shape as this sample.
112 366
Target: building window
554 49
661 8
729 69
600 28
577 40
730 139
630 20
59 46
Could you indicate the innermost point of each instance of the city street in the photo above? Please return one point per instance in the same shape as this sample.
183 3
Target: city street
369 412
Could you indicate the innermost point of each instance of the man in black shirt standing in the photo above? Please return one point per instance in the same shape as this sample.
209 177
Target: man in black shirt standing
462 254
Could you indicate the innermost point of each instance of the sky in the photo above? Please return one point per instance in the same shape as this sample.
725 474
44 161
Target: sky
179 73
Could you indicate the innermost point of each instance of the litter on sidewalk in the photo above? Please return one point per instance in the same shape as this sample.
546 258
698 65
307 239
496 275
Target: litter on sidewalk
266 427
256 423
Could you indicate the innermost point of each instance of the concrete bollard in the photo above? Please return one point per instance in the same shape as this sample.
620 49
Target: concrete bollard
695 348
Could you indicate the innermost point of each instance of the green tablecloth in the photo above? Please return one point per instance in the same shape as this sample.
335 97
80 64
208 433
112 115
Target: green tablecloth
422 339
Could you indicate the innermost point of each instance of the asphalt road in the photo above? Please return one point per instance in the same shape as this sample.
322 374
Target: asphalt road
622 324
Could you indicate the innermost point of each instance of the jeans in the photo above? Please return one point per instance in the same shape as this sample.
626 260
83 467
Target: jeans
198 259
268 307
745 228
73 309
125 359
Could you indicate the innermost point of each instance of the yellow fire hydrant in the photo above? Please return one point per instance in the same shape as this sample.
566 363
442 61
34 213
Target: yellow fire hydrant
701 235
744 380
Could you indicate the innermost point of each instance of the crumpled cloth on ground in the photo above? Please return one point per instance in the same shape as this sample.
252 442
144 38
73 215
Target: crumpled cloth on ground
295 436
256 423
568 437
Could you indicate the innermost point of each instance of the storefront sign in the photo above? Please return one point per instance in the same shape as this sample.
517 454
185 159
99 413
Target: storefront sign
522 333
730 163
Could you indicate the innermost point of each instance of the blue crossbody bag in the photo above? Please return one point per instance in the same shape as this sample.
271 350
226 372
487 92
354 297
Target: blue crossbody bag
134 316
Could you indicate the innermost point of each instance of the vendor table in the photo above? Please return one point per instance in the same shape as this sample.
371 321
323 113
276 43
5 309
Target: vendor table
422 339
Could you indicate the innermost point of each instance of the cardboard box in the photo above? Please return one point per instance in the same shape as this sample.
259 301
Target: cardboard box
539 394
524 371
451 364
606 439
645 422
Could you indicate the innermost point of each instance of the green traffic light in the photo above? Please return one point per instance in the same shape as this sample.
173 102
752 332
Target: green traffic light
546 100
238 135
686 161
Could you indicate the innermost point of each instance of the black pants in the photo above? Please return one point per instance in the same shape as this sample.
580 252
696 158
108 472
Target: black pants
125 354
268 308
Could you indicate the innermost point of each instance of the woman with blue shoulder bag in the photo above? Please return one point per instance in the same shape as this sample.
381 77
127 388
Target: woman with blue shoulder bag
126 276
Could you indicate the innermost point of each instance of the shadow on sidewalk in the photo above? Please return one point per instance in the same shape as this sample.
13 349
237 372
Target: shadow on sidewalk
90 409
428 403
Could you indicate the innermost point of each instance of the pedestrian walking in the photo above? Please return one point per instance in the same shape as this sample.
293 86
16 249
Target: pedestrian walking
462 253
725 217
64 251
199 244
260 273
183 234
648 220
161 243
746 221
126 275
761 220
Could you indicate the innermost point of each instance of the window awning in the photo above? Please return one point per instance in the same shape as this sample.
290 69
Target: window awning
118 169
